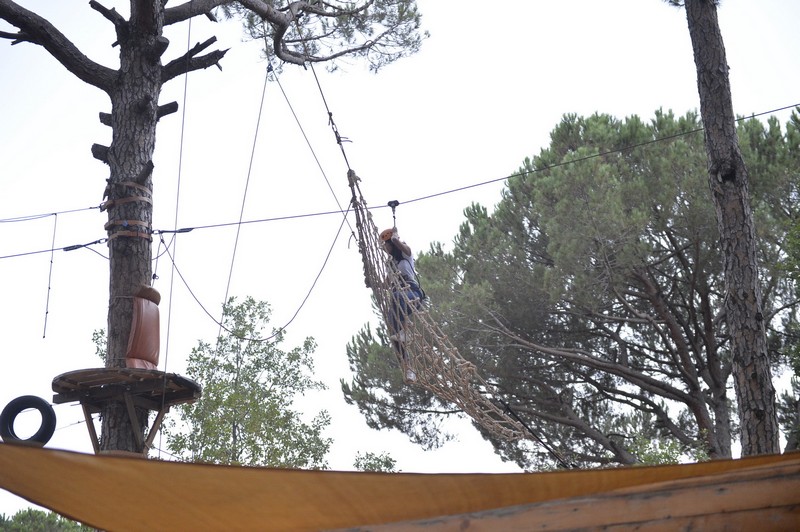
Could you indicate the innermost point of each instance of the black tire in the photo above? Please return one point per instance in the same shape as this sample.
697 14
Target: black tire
13 409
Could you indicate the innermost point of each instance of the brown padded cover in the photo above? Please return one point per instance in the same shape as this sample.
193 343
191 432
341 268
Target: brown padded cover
145 338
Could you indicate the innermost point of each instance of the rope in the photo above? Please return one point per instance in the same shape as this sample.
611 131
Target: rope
174 241
50 276
244 194
427 350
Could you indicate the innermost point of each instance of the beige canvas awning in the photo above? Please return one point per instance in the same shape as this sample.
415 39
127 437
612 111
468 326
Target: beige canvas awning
121 493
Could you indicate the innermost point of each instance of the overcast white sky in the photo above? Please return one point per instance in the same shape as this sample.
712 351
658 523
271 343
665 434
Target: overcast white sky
483 94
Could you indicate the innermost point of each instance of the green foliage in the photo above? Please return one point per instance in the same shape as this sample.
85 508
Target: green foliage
655 452
100 341
384 400
245 414
379 31
606 207
30 520
379 463
773 158
780 153
591 296
789 414
645 437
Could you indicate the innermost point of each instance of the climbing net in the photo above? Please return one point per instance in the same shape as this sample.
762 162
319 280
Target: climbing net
426 350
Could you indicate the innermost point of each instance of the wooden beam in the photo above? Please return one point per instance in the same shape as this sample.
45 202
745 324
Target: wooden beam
166 109
90 427
100 152
148 443
137 431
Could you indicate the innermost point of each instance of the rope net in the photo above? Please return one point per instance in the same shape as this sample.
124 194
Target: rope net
426 350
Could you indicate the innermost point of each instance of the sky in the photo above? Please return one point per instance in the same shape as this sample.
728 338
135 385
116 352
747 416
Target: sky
483 94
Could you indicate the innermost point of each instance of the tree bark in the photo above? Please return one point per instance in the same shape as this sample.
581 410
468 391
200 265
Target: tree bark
729 183
134 108
134 91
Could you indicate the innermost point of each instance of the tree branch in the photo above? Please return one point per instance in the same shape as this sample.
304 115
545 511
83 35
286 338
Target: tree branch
579 357
166 109
40 31
15 38
110 14
100 152
191 9
188 62
280 22
120 24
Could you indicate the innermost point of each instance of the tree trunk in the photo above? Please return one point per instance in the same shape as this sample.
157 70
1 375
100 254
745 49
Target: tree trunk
134 103
793 432
722 423
728 180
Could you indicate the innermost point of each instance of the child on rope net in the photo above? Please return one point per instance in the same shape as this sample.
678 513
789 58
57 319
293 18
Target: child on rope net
404 297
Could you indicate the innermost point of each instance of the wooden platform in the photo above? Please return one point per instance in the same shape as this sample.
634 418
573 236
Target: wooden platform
151 389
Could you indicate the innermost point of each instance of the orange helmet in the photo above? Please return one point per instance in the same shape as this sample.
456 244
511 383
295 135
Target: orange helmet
386 234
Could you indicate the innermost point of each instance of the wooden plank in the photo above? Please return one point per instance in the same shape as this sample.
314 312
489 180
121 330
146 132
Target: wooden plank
153 390
148 443
90 427
137 431
88 378
763 498
97 386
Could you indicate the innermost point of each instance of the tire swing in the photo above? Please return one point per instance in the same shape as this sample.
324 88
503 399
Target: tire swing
26 402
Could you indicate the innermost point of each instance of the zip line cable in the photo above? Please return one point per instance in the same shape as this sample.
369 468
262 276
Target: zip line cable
341 211
50 276
327 213
67 248
240 223
418 198
310 147
561 460
593 156
187 230
340 140
174 241
444 372
412 200
229 331
328 256
159 254
432 353
175 231
45 215
371 208
244 194
241 215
